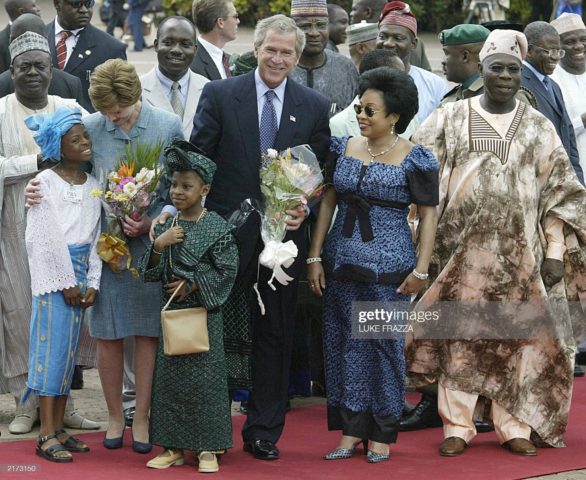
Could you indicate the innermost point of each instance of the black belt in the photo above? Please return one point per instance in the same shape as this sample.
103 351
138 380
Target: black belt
359 208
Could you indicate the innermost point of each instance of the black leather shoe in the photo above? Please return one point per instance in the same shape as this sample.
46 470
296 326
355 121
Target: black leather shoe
578 371
262 449
483 426
424 415
407 409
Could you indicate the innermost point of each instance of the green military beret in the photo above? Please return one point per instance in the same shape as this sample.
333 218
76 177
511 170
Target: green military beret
463 34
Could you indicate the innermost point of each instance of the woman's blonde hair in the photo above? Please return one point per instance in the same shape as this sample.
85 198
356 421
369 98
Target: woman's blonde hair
114 83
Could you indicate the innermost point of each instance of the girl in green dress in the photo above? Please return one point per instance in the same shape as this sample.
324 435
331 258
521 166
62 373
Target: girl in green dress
190 408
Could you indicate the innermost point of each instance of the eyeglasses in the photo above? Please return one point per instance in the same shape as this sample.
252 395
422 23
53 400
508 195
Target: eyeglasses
370 112
319 26
77 4
557 52
235 16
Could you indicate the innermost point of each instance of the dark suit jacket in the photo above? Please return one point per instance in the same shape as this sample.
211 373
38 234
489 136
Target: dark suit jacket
204 65
93 48
4 53
226 127
62 84
556 112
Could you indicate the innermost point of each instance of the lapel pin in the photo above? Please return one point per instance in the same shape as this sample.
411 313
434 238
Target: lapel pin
292 118
88 52
80 56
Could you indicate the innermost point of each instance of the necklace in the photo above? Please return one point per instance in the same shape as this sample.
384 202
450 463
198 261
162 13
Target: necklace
201 215
72 180
374 155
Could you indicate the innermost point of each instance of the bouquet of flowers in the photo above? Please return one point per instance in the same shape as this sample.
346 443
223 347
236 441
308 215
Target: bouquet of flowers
131 190
287 179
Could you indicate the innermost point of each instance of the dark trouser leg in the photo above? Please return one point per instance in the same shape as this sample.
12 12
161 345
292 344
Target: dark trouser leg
369 426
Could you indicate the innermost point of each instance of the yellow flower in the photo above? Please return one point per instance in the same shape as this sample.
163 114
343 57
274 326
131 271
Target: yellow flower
108 195
96 193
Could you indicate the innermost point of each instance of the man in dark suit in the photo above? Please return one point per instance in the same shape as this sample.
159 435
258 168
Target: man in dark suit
217 22
85 46
542 57
227 125
14 9
62 83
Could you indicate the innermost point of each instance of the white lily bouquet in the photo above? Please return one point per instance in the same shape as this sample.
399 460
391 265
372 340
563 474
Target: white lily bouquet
287 179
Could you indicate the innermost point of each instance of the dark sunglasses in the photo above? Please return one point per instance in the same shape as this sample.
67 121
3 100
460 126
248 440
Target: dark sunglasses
77 4
368 110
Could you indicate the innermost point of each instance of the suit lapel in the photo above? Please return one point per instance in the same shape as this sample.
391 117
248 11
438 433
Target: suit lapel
84 48
289 117
51 39
539 88
246 111
192 100
155 94
210 67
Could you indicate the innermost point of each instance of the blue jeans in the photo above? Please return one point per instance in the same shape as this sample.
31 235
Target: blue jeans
134 21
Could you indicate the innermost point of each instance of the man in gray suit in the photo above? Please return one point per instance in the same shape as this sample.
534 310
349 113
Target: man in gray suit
217 22
171 85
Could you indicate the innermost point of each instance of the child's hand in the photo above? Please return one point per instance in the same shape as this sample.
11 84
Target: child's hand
88 299
171 237
72 296
183 292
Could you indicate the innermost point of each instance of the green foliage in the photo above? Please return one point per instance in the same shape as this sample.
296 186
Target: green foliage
178 7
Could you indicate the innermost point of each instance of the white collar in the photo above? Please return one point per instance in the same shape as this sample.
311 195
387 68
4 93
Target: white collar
262 88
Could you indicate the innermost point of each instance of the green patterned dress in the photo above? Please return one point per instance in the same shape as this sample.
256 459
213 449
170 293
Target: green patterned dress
190 407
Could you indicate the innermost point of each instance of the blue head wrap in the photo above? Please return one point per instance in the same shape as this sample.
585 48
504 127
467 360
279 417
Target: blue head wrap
50 128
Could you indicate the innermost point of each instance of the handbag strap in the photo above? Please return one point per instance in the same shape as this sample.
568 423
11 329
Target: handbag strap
173 296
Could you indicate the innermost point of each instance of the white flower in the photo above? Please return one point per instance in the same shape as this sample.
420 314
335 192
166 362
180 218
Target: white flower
130 189
145 176
272 153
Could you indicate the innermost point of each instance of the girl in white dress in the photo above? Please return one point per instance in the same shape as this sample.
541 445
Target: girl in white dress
61 238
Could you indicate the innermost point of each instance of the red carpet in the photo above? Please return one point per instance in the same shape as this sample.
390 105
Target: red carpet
304 442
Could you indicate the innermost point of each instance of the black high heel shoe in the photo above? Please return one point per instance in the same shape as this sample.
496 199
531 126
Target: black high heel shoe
141 447
113 443
342 453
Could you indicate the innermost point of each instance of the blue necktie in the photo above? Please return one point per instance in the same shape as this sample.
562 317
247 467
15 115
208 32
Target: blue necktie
549 88
268 123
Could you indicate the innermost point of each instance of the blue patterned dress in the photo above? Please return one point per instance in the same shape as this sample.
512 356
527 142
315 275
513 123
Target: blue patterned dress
368 376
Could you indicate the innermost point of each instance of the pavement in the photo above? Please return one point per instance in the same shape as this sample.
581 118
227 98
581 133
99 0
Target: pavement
90 400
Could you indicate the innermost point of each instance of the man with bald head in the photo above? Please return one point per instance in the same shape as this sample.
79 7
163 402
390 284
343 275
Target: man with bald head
14 9
62 83
542 58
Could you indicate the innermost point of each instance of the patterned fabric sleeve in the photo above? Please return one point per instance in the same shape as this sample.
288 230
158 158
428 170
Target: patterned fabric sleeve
422 176
215 277
154 274
337 148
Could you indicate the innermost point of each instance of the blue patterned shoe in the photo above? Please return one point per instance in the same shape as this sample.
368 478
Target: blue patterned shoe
342 453
374 457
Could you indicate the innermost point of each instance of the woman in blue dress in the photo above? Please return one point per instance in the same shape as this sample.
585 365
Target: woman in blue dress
369 256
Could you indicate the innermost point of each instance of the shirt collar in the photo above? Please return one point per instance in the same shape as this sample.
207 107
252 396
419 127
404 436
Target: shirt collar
470 80
59 29
215 52
262 88
539 75
167 83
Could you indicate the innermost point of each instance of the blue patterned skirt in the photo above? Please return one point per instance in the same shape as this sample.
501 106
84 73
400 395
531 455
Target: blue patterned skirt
54 335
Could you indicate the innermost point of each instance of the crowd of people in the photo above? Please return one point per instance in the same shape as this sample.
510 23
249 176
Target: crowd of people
470 196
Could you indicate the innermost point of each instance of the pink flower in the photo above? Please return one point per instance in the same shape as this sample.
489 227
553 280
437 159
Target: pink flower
126 180
136 216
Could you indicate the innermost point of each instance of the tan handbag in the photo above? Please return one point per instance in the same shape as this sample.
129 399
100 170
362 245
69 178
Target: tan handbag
185 331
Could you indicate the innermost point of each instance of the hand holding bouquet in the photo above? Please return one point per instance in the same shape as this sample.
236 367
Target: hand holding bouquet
131 190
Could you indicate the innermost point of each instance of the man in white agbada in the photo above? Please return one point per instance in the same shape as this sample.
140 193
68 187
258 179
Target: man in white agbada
19 161
570 75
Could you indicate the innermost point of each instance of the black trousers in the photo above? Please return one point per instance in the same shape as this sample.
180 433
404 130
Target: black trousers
272 342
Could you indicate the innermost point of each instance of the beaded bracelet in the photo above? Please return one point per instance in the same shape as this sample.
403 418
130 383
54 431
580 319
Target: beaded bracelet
420 276
312 260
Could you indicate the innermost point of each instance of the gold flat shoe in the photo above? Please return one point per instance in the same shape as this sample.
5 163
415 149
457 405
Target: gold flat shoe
168 458
208 462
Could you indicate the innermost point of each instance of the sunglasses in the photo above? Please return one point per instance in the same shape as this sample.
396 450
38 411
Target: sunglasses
77 4
370 112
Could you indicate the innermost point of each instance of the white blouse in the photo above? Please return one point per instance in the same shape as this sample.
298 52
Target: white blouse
67 215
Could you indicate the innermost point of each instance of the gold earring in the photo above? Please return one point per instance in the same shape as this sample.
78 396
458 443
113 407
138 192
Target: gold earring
392 129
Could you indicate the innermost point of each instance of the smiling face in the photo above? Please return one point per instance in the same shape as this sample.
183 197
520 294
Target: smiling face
276 57
379 124
76 145
574 44
338 23
398 39
539 57
502 77
175 47
31 73
71 18
187 190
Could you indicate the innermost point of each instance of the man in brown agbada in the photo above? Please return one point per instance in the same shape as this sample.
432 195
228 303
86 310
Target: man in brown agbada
511 231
